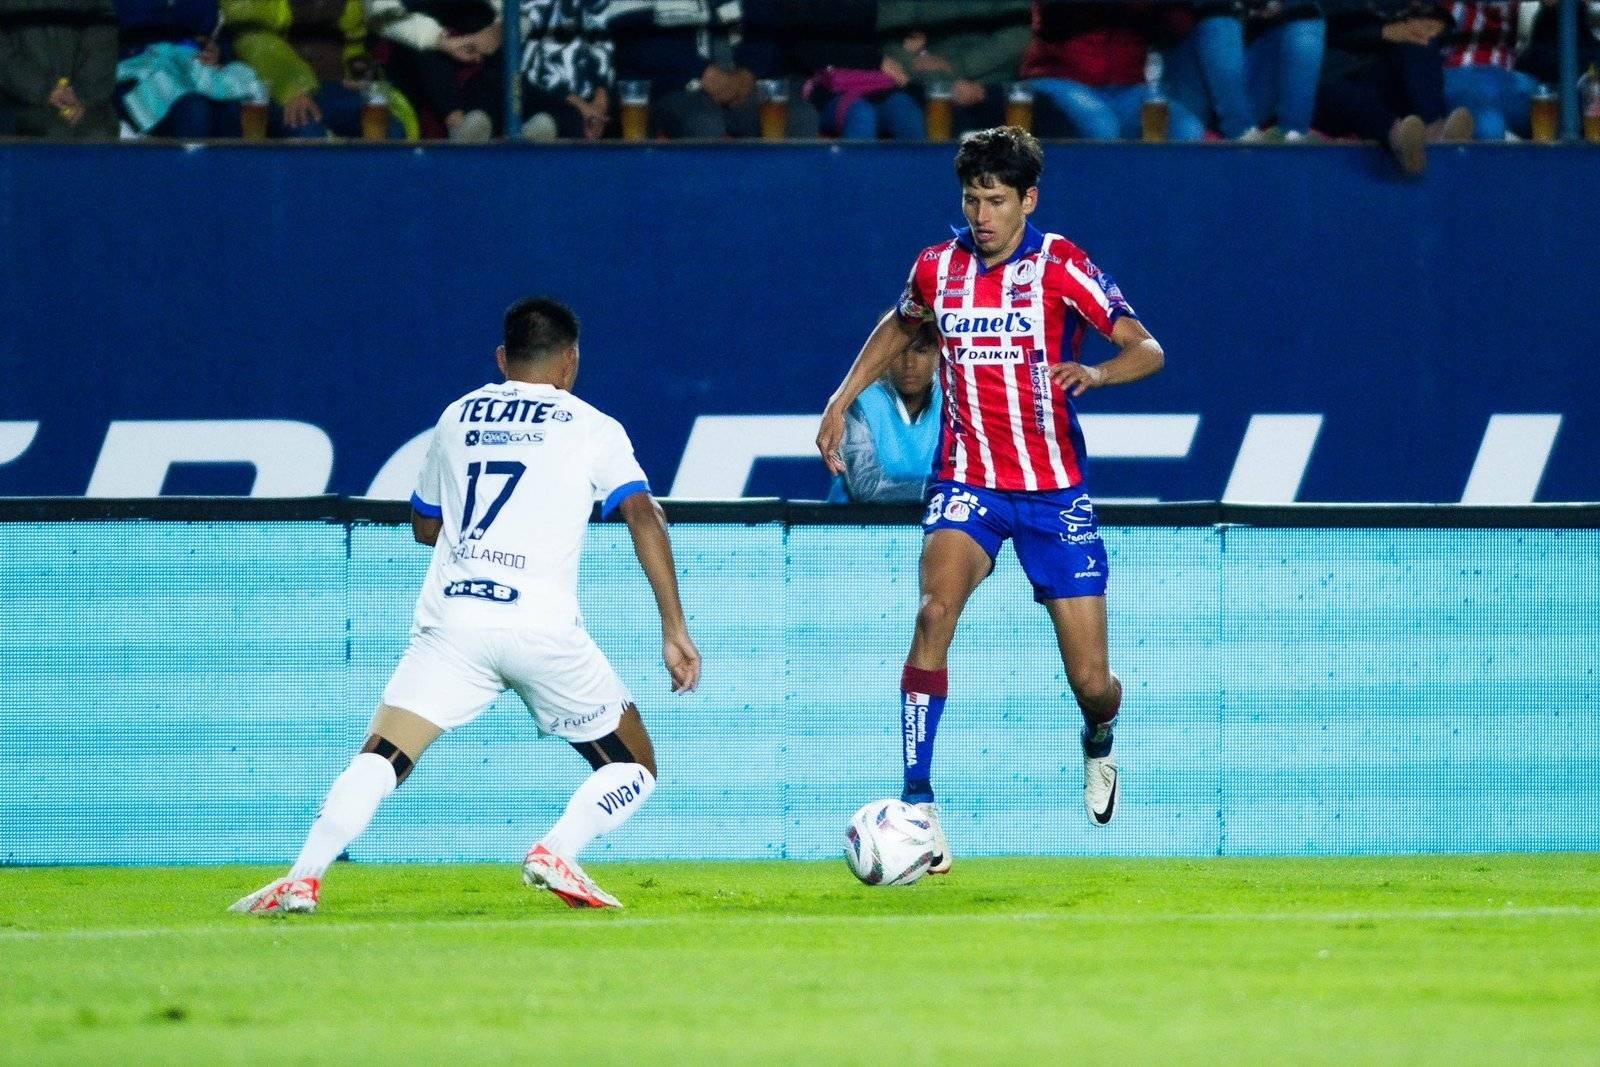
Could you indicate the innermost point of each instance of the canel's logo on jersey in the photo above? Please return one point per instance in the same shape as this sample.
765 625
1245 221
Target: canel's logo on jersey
482 589
955 322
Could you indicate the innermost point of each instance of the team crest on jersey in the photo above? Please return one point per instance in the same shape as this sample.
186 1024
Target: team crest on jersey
1025 272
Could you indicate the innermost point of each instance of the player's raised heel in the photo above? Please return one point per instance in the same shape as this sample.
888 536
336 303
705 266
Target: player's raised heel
563 877
942 860
1100 788
286 896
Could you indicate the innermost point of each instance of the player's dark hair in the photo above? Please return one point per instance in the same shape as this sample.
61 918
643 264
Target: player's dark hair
927 335
539 328
1005 155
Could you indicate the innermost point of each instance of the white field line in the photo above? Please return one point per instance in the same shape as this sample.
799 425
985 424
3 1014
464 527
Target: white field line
306 924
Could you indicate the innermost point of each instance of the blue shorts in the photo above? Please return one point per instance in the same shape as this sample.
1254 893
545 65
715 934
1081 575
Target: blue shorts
1054 534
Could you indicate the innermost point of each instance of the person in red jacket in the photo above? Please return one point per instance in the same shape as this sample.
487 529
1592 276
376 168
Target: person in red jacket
1092 61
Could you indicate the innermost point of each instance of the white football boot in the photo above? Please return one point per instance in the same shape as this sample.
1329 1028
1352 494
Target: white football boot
1100 788
286 896
564 878
942 860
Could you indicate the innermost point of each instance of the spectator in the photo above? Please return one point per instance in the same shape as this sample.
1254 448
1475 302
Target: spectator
1383 78
58 62
685 49
976 45
568 67
859 93
313 57
1089 60
1259 60
171 81
440 55
1542 56
1479 58
892 430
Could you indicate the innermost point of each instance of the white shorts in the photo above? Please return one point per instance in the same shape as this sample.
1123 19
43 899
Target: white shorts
449 676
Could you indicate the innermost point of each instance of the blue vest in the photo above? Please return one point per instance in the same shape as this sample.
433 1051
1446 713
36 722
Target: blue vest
905 451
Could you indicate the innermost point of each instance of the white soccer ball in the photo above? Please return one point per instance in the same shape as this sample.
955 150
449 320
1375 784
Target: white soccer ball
888 842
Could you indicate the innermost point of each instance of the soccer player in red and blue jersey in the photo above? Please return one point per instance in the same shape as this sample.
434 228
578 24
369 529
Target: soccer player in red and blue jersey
1011 304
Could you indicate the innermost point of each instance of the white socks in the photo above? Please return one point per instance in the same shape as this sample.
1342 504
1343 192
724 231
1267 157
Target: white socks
352 799
607 799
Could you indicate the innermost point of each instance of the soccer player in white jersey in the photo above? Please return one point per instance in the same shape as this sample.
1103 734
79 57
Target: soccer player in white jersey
504 497
1011 304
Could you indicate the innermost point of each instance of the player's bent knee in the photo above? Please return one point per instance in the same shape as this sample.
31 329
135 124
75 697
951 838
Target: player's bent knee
385 749
936 617
1092 684
628 743
401 737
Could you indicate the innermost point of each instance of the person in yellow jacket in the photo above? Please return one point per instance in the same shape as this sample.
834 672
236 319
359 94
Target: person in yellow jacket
312 55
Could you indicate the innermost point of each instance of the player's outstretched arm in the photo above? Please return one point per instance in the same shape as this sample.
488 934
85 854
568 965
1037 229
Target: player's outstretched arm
648 525
889 339
1138 356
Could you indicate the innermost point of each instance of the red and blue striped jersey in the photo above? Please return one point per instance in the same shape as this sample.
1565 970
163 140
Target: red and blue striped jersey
1006 424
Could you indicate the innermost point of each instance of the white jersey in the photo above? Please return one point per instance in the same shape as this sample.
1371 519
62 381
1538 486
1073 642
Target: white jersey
513 472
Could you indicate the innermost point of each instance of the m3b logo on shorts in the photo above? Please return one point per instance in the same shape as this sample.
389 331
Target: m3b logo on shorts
482 589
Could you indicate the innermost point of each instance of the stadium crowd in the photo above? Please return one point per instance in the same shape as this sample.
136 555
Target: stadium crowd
1399 72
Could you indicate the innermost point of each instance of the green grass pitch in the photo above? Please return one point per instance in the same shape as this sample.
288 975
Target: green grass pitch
1459 960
